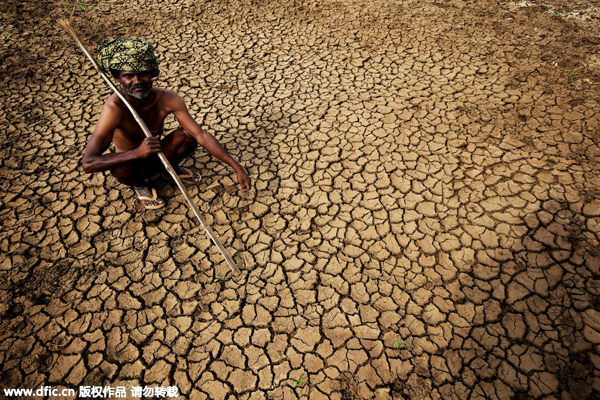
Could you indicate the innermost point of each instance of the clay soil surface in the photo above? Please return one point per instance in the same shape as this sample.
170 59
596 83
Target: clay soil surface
424 220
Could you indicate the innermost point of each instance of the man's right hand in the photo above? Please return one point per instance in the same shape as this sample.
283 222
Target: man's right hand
149 146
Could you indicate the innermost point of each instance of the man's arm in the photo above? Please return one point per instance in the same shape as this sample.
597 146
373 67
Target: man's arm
205 139
95 161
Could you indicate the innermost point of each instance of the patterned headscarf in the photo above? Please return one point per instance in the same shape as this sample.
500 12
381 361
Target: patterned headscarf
127 55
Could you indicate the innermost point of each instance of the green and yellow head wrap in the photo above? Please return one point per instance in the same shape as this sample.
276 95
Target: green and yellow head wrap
127 55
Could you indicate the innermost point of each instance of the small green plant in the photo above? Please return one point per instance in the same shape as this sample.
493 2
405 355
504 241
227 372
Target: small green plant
297 382
571 75
78 4
594 16
574 121
499 5
398 342
215 280
279 355
459 129
554 15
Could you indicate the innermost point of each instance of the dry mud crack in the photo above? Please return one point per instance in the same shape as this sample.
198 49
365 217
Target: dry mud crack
424 222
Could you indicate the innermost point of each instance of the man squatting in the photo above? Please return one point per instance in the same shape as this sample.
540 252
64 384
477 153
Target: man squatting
133 64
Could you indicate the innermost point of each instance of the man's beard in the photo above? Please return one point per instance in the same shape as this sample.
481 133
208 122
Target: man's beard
142 95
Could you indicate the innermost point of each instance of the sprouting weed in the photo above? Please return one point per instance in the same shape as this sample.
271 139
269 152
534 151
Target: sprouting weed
398 342
571 75
297 382
78 4
215 280
554 15
279 355
459 129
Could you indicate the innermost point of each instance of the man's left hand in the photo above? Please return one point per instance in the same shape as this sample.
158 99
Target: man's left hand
243 180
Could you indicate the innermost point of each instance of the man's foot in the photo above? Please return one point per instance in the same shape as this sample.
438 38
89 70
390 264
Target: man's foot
148 197
188 175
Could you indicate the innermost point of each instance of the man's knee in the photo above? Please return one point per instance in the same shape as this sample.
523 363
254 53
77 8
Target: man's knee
187 143
124 175
132 173
187 137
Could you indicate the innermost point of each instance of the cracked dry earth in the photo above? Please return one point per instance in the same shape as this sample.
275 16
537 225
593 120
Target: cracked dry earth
424 221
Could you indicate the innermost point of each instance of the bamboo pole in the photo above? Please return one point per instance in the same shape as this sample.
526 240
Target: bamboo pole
170 169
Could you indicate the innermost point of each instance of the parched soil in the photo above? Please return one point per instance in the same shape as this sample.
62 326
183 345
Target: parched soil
424 220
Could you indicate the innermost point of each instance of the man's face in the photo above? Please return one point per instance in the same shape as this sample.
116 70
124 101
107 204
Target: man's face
137 84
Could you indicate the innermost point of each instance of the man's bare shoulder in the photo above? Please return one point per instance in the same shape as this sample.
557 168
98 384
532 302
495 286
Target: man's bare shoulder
113 107
169 100
114 103
165 92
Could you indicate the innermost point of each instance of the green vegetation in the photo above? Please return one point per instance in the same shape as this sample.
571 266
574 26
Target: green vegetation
82 6
297 382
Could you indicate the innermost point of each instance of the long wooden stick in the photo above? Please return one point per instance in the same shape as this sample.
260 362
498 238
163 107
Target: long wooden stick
170 169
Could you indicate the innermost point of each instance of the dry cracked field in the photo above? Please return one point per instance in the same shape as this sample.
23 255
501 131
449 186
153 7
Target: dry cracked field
424 220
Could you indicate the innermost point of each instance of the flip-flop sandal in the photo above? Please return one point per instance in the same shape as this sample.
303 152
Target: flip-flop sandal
189 175
147 201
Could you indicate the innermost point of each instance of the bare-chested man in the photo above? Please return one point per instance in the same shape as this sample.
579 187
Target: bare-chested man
133 64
